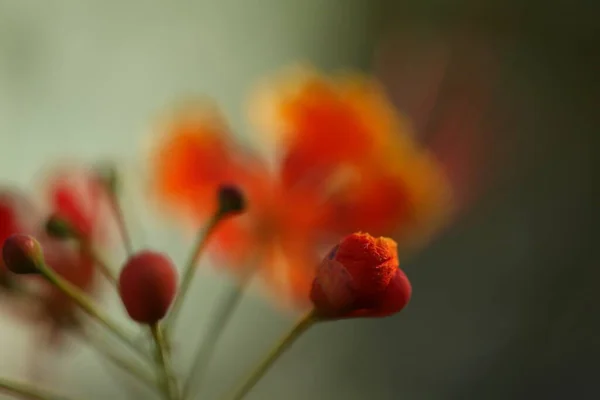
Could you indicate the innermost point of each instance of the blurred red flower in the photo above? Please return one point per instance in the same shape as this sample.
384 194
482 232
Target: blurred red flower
75 194
345 161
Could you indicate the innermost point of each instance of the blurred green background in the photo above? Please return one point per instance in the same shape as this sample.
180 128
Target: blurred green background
505 302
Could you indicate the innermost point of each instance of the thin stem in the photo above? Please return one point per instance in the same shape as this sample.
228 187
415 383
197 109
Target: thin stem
190 269
259 371
24 390
79 298
86 245
105 270
123 363
169 384
120 216
207 348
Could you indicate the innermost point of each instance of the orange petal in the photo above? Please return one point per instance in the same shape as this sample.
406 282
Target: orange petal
323 123
191 160
404 193
375 201
238 240
323 120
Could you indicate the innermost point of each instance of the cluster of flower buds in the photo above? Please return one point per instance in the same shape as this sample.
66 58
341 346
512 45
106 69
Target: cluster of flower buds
346 165
359 277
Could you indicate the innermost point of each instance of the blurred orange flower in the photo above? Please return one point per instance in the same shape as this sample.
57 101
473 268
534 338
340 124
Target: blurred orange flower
345 162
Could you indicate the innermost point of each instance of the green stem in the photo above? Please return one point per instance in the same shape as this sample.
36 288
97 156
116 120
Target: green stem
120 216
24 390
259 371
123 363
207 348
79 298
169 383
189 271
100 263
86 245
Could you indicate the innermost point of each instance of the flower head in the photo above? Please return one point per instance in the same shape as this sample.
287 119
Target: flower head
360 278
147 285
346 162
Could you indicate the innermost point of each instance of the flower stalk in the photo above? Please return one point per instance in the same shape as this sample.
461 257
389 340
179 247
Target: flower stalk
169 383
27 391
189 271
60 228
303 324
207 348
115 205
119 361
103 267
88 306
230 202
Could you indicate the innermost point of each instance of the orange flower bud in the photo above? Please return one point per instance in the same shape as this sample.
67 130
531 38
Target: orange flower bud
147 286
360 278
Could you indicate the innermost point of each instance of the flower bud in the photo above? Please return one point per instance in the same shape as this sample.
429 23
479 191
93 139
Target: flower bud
22 254
59 228
147 285
360 278
231 200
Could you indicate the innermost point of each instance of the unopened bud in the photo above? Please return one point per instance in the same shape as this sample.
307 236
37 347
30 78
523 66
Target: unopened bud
147 285
231 200
22 254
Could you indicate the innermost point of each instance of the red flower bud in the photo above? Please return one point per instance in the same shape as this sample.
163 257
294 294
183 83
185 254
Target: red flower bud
147 285
360 278
22 254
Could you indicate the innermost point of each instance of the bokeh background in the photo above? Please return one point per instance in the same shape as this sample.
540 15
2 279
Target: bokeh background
505 302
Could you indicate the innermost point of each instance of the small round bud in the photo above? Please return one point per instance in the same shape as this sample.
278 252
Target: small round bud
231 200
59 228
147 285
22 254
